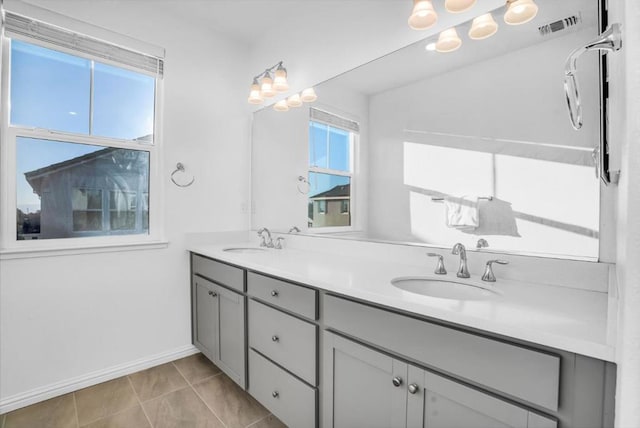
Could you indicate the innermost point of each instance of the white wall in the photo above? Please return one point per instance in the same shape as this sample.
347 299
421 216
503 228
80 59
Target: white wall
625 142
62 319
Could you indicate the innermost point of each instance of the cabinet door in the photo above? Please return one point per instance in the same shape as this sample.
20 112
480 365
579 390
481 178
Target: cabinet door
436 402
231 355
359 386
205 317
219 327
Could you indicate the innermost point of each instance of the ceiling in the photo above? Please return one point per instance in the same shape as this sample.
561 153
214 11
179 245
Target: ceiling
250 20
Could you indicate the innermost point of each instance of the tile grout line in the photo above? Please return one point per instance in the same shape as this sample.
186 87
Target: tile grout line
135 393
75 406
198 395
199 381
259 420
107 415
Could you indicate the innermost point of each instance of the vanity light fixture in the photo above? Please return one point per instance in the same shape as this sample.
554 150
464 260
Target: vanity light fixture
266 86
457 6
520 11
281 106
483 27
308 95
448 41
280 83
423 15
255 97
294 100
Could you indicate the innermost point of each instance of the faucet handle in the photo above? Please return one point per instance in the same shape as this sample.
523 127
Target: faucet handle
263 242
278 244
440 270
488 270
482 243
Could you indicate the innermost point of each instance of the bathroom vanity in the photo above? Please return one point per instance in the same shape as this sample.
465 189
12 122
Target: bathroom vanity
324 340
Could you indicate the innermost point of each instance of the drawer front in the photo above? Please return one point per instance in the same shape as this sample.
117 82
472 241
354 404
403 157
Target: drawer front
221 273
292 297
289 341
293 402
514 370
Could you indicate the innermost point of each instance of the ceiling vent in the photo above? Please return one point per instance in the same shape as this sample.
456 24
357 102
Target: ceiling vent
562 24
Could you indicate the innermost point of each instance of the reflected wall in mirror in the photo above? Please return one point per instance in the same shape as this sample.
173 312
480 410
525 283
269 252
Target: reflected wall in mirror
445 148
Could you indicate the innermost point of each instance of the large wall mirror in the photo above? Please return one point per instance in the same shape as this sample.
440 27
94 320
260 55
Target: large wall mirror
430 148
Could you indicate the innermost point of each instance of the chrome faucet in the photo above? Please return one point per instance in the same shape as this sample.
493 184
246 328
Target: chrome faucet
294 229
463 270
268 242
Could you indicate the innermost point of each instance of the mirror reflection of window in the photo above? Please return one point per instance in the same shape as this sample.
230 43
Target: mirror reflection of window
331 149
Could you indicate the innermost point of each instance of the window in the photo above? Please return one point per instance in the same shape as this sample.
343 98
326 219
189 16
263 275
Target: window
80 131
331 151
87 210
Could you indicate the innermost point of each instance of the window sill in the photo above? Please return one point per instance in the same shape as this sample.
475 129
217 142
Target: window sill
26 253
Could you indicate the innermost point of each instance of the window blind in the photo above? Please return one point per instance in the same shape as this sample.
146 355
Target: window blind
333 120
23 27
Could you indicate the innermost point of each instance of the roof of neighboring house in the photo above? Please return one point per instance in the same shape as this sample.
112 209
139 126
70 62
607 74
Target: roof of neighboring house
54 167
341 190
35 177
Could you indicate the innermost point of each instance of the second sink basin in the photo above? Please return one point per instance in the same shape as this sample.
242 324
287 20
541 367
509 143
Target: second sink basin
244 250
443 288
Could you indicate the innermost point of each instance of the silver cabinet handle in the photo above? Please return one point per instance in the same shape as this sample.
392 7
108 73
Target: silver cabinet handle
213 294
274 293
275 394
275 338
413 388
397 381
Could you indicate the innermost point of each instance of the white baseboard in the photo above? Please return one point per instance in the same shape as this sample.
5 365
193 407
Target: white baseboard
59 388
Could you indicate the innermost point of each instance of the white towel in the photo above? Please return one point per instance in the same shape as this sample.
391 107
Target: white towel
495 217
462 212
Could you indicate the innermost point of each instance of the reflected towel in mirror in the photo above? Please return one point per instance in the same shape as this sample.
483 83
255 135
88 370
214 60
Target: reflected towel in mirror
495 217
462 212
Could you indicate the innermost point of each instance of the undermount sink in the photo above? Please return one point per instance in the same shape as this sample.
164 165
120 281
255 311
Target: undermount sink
443 288
244 250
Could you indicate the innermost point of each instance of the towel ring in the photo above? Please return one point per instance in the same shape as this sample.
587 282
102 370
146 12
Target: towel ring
302 181
180 168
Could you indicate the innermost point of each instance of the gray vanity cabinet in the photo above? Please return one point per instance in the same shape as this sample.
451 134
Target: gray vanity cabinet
218 323
372 389
364 388
283 349
205 315
436 402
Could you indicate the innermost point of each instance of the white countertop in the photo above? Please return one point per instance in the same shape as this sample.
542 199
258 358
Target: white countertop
575 320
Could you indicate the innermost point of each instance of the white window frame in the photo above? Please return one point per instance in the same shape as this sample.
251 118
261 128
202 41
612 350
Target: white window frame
10 246
353 141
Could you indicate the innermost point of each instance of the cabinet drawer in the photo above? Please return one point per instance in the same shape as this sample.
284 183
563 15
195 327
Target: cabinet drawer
285 396
221 273
295 298
521 372
289 341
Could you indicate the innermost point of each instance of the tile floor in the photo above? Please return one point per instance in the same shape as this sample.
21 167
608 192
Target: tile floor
190 392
